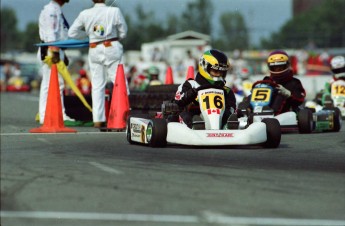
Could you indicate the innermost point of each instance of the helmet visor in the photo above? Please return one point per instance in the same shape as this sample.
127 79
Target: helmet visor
278 67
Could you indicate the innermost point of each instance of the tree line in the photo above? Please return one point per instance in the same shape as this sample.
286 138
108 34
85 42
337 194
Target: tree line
323 25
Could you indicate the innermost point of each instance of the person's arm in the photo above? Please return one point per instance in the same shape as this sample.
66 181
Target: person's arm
49 24
230 100
77 30
185 94
298 94
121 25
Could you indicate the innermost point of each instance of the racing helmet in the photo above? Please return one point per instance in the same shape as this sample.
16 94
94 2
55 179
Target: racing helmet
153 72
279 65
338 67
215 60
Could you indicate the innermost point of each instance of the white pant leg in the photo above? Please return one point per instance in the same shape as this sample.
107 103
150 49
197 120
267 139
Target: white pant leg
103 63
98 81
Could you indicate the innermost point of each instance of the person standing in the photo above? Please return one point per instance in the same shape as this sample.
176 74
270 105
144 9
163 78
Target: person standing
52 27
105 26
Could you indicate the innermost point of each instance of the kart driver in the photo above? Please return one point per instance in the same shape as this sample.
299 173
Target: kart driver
212 69
291 93
338 69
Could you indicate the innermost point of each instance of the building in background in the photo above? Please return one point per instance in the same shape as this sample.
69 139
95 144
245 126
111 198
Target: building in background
299 6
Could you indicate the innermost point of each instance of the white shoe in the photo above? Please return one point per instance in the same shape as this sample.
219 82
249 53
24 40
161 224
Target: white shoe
67 118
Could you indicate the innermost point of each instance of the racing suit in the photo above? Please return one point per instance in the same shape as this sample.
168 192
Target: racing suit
326 99
283 104
104 26
186 94
52 27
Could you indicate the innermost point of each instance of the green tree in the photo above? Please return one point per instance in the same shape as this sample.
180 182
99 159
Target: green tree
323 24
234 32
144 29
8 33
198 16
30 37
173 25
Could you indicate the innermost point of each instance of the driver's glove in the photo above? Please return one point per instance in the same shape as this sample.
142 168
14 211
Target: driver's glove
283 91
191 94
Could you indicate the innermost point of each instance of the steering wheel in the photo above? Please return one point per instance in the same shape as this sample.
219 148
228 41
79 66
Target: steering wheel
266 81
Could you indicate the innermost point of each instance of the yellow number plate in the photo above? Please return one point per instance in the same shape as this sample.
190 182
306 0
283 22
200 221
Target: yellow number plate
212 100
338 90
261 94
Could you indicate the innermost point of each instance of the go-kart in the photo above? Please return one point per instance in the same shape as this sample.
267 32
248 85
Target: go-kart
206 131
335 100
265 100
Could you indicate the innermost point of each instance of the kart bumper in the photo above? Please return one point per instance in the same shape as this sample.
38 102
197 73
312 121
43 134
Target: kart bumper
181 134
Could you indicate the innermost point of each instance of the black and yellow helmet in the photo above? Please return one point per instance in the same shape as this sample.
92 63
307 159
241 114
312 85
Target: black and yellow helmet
278 62
216 60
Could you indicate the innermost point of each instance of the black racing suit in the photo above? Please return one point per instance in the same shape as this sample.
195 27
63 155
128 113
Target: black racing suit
280 103
186 98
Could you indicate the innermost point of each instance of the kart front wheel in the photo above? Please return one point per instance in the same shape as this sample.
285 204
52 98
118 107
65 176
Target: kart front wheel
128 131
156 132
273 132
305 121
336 120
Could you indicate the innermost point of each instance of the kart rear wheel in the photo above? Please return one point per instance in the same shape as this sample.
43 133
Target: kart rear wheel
128 131
305 121
156 132
273 132
336 118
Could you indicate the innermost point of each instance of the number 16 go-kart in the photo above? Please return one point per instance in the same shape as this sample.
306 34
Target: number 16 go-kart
265 98
208 131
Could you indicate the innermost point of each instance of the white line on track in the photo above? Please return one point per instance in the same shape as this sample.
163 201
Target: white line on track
77 133
105 168
29 98
44 140
170 218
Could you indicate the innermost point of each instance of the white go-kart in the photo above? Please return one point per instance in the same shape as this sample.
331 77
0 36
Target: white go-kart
262 100
207 131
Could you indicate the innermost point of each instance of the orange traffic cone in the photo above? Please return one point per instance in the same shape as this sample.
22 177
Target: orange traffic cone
53 120
190 73
119 106
169 77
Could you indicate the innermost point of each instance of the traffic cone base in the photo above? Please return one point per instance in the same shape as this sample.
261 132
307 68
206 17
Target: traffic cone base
119 106
53 120
44 129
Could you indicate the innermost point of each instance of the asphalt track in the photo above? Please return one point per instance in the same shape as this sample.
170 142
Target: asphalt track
97 178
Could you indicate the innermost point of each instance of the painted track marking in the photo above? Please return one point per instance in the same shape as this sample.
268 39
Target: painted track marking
105 168
213 218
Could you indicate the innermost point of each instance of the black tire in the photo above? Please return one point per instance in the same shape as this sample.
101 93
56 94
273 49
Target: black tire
336 118
128 131
305 121
273 132
157 137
